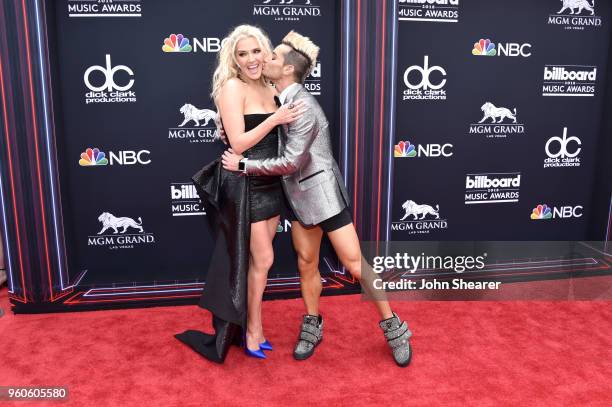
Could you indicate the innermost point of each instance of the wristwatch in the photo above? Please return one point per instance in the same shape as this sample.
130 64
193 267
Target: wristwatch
242 165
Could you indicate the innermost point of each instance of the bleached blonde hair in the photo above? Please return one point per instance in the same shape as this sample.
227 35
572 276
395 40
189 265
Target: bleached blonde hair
304 47
227 66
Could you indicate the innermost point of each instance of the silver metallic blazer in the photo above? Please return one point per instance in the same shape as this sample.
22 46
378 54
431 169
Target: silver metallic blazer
310 175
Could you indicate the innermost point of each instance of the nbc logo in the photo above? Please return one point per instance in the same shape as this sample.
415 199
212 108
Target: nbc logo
93 157
439 11
569 80
185 200
544 212
492 187
286 10
560 153
484 47
424 218
284 225
120 236
181 44
176 43
571 16
492 123
404 149
115 8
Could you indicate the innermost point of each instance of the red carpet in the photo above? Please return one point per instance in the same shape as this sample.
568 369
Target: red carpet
465 353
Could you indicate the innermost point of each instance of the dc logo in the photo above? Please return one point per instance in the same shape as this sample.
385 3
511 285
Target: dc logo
563 146
425 72
109 75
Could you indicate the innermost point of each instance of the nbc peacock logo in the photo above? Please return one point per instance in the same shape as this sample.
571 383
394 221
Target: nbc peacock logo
404 149
92 157
484 47
176 43
541 211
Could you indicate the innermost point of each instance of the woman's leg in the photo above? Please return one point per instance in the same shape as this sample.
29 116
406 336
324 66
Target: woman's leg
261 258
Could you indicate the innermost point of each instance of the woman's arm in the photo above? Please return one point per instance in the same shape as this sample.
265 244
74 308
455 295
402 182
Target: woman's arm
231 108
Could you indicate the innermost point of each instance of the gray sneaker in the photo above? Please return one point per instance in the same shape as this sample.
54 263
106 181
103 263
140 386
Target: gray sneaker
310 336
398 335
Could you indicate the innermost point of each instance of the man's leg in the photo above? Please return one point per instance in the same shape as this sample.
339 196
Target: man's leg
307 244
346 245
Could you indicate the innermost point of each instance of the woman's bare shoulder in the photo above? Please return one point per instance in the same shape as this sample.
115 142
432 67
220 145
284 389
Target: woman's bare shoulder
233 86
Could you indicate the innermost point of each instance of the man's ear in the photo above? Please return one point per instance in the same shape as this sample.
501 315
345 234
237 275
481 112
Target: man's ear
288 69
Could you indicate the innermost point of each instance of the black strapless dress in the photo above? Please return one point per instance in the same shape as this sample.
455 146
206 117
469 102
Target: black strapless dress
265 193
232 201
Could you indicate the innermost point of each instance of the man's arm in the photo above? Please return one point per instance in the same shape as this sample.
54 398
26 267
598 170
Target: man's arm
301 135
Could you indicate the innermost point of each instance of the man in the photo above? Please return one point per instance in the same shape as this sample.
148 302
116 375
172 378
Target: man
316 195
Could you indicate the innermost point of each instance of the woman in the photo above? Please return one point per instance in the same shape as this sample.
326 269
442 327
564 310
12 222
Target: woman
245 209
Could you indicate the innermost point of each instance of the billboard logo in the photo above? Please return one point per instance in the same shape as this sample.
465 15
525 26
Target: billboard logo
437 11
119 238
571 16
114 8
176 43
492 123
569 80
202 129
425 82
286 10
424 218
485 47
185 200
93 157
313 82
544 212
108 91
492 188
404 149
562 151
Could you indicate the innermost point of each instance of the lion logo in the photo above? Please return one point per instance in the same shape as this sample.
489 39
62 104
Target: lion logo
577 4
285 2
109 221
414 209
494 113
193 113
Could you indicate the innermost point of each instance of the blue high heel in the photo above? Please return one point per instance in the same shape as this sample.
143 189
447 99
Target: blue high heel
266 345
255 353
252 353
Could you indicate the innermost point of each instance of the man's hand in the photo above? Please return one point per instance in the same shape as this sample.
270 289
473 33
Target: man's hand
230 160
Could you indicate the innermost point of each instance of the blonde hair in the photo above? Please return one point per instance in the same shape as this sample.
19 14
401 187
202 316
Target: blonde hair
227 66
305 48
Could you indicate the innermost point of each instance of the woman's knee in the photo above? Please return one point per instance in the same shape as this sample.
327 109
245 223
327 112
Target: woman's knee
263 259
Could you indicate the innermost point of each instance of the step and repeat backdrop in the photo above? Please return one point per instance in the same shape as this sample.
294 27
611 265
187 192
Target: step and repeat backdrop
495 110
499 112
138 122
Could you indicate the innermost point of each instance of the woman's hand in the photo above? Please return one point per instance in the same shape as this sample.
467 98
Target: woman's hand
289 112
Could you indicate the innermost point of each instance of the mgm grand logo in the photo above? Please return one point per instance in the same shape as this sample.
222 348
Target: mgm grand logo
419 219
286 10
198 125
576 15
497 122
115 233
